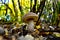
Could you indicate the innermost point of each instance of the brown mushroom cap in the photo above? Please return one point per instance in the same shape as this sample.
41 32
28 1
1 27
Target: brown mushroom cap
30 16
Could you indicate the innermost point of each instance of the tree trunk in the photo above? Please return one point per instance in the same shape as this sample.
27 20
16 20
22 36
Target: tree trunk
40 9
15 10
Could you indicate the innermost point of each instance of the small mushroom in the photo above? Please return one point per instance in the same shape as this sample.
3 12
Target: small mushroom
30 18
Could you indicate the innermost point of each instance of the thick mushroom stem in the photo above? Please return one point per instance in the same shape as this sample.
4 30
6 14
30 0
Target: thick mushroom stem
1 37
31 25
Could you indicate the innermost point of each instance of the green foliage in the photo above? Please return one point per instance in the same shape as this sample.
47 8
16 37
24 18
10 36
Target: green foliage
25 5
58 7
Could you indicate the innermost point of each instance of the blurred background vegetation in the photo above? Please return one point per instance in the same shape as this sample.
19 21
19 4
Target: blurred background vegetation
13 10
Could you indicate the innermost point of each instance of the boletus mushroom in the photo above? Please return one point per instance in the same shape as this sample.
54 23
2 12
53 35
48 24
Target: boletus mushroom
30 18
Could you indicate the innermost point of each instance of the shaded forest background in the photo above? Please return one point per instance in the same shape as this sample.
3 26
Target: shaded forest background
13 10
